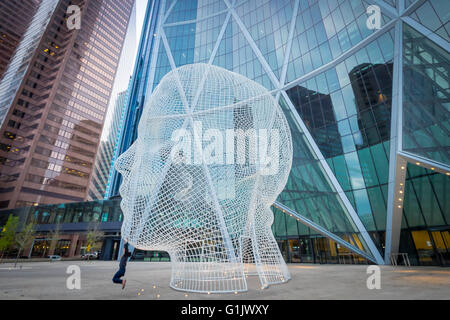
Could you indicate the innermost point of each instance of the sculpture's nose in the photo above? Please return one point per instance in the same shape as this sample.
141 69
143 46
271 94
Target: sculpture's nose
125 161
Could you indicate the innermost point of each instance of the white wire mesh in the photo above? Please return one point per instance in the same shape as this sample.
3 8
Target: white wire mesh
213 152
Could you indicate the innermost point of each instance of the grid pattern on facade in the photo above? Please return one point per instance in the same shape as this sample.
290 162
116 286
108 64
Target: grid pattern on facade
53 124
343 91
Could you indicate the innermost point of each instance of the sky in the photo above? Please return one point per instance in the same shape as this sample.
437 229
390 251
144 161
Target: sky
141 6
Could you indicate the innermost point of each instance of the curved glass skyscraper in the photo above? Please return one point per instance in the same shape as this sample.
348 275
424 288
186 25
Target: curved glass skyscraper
365 88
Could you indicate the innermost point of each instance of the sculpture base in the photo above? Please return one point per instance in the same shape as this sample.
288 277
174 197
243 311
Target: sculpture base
213 277
208 277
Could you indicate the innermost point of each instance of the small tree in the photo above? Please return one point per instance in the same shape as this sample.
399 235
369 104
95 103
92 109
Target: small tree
54 237
93 236
23 238
8 233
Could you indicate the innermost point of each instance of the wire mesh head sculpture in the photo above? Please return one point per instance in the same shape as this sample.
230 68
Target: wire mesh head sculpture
213 152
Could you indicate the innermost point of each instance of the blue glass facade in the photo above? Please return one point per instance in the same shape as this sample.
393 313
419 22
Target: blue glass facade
368 111
136 93
344 88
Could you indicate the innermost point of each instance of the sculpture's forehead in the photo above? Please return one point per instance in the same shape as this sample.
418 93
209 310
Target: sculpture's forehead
200 87
214 81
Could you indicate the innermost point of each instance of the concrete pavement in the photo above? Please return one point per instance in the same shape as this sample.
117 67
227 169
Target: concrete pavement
150 280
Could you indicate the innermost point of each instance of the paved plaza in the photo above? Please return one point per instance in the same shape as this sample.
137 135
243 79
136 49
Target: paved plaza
150 280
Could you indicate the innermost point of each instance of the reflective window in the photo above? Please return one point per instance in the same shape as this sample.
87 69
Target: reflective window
426 86
434 15
347 109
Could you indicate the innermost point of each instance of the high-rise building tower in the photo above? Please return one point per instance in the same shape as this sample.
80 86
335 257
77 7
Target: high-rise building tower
115 115
106 150
14 21
53 99
367 107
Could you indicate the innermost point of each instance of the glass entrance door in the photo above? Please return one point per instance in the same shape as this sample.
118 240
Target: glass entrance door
441 241
424 247
306 250
325 250
294 251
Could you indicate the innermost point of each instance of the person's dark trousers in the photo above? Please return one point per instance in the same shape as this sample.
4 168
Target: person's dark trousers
118 275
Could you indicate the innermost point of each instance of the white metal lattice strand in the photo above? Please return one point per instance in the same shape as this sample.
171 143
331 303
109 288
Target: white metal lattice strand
213 152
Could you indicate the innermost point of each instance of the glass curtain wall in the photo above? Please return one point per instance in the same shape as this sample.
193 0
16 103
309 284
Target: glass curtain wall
334 79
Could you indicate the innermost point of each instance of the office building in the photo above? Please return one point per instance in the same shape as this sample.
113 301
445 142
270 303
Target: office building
106 150
54 96
367 109
13 24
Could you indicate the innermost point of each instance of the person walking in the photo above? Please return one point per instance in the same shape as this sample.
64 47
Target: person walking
122 266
